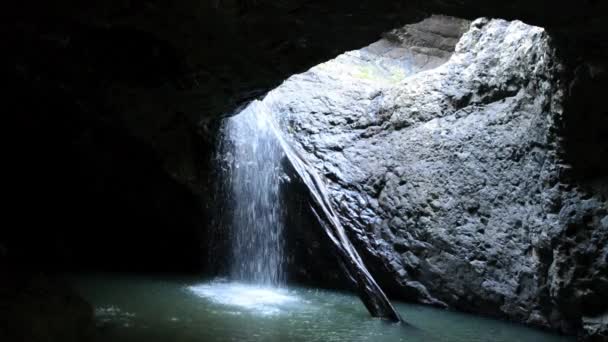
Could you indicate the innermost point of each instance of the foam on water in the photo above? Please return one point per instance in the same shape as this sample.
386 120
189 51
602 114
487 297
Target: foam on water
257 299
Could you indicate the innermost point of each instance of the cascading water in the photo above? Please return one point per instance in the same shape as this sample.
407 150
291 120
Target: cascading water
252 178
253 147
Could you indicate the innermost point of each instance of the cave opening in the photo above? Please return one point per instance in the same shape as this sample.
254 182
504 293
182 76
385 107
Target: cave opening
165 191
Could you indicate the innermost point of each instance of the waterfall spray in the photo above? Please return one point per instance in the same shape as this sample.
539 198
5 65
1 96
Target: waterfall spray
255 146
253 177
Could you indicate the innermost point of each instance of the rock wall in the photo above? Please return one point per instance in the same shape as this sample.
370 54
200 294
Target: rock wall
453 175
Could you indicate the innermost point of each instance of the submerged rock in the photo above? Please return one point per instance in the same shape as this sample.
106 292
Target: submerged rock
451 175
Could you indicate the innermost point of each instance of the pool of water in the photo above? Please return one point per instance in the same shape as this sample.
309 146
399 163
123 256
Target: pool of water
153 309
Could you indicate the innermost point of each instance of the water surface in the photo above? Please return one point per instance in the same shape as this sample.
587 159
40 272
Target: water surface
182 309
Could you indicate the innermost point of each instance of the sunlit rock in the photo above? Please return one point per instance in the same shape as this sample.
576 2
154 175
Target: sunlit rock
450 175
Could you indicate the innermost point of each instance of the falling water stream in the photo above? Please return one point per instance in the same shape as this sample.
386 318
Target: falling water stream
252 178
254 146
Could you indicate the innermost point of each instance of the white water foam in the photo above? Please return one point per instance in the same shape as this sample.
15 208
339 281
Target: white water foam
257 299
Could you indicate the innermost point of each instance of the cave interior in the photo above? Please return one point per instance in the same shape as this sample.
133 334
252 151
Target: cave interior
115 111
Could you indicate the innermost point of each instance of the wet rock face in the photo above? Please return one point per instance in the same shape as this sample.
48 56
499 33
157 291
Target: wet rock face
453 178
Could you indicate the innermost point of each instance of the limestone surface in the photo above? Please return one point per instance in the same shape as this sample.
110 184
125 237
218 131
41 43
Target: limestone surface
448 169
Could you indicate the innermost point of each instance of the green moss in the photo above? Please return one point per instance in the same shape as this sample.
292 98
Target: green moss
370 73
397 76
365 72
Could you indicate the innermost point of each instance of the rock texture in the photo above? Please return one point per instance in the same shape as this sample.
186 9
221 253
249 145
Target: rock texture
454 178
596 328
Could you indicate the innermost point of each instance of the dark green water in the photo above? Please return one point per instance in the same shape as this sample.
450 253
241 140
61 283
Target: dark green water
184 309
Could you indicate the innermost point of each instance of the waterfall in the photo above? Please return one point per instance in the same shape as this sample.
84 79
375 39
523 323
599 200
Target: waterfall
252 178
253 146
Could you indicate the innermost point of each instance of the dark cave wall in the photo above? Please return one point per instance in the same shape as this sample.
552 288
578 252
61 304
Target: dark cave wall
122 99
85 194
578 275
